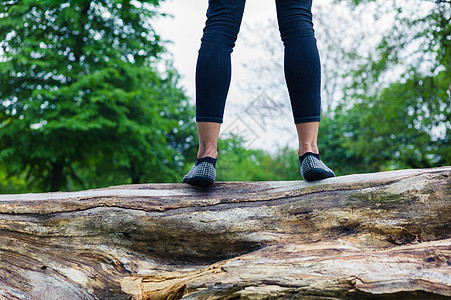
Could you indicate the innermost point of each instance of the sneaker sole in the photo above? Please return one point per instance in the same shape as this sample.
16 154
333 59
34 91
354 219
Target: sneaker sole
317 174
198 181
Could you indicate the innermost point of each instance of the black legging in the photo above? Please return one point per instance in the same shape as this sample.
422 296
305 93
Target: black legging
301 63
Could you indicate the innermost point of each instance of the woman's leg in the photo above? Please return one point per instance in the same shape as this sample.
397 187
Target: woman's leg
213 74
307 135
302 69
213 70
303 77
208 133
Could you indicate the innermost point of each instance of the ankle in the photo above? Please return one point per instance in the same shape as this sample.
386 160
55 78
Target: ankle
307 149
207 153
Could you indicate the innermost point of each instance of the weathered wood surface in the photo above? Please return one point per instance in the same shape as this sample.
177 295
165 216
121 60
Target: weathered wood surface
383 236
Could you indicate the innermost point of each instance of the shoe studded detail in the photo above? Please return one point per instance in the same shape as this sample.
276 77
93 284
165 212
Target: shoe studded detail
312 168
203 173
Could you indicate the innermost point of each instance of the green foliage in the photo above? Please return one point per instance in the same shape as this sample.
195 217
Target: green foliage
84 104
336 140
236 163
12 185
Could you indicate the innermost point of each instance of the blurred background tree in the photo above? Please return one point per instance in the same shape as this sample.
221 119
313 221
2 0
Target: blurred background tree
82 101
400 110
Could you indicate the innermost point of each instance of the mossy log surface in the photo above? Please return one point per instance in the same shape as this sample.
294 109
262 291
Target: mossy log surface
367 236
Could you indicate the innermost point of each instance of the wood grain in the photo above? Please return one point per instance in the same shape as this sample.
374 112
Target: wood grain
366 236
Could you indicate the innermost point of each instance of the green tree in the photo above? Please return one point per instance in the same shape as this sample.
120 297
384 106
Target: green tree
80 88
338 131
400 90
12 185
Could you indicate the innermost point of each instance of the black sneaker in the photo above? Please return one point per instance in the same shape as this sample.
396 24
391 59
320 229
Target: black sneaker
203 173
312 168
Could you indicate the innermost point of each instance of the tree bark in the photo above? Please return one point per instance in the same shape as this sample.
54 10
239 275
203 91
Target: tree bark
366 236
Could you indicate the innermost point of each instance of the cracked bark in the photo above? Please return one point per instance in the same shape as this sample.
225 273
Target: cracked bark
367 236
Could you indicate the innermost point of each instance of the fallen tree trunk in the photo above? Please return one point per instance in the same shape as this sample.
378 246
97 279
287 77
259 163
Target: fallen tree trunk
385 235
